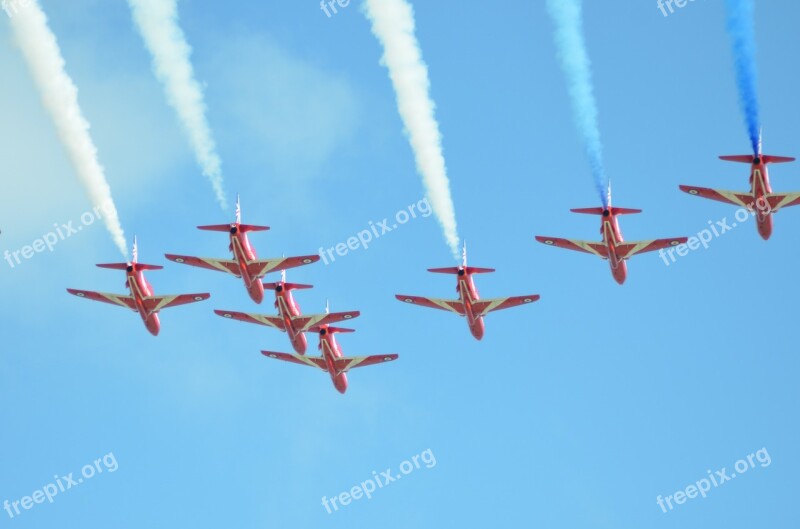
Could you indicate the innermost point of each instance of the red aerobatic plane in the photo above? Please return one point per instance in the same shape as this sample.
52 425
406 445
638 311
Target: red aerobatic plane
244 264
289 319
612 247
469 304
332 359
141 298
760 200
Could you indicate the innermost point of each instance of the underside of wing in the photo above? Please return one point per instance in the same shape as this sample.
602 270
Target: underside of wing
262 267
451 305
261 319
737 198
220 265
485 306
307 321
313 361
345 364
782 200
629 249
597 248
114 299
157 303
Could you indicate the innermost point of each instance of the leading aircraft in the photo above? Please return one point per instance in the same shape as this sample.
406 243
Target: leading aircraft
141 299
332 360
760 200
469 304
289 318
245 263
612 248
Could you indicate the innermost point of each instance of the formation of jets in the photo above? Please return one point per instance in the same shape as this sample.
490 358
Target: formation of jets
245 264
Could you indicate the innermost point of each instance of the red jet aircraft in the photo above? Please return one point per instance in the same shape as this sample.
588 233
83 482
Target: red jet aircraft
332 359
142 299
469 304
612 247
289 319
761 201
245 263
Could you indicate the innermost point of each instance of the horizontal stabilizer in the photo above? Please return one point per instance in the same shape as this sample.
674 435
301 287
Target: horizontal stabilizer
765 158
332 330
124 266
244 228
588 211
247 228
287 286
599 211
216 227
456 269
114 266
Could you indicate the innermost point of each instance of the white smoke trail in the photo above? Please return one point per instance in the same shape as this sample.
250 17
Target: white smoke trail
157 21
60 97
393 24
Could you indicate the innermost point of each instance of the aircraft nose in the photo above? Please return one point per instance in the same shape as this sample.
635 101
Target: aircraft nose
757 160
234 229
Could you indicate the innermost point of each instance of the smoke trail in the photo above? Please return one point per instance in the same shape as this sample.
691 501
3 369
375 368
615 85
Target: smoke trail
60 97
568 18
393 24
740 28
157 21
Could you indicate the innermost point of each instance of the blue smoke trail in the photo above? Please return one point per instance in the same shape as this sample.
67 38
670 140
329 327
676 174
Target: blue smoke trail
740 28
568 18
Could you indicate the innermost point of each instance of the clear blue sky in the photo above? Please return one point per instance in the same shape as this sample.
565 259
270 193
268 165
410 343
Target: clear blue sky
577 411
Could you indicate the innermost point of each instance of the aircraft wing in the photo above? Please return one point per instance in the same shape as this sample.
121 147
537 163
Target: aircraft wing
313 361
305 322
783 200
597 248
156 303
345 364
452 305
485 306
629 249
262 267
262 319
736 198
220 265
127 302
